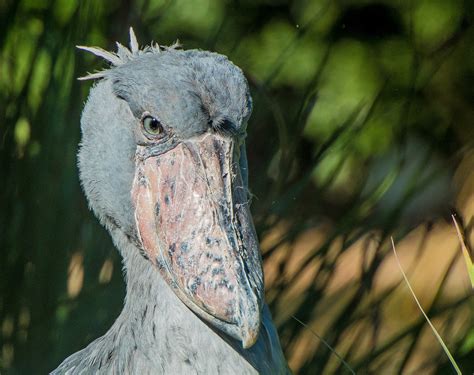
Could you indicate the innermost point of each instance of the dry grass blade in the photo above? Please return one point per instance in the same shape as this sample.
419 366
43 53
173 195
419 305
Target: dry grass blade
326 344
467 256
443 345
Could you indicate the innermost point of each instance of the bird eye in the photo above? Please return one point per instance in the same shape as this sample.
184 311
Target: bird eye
152 126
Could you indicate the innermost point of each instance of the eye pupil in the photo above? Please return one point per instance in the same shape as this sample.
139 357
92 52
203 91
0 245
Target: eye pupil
152 125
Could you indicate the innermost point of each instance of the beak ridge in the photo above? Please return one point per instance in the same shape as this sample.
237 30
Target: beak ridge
194 224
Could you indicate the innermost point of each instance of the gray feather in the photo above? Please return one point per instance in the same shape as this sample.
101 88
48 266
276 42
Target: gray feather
133 42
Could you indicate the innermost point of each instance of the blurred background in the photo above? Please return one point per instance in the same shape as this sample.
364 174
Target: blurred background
362 129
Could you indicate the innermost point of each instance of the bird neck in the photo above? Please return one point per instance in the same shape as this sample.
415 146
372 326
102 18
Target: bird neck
156 322
148 296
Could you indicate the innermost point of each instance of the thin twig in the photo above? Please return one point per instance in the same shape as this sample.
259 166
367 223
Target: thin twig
443 345
467 256
326 344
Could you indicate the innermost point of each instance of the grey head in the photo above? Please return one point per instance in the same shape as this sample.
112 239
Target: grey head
162 159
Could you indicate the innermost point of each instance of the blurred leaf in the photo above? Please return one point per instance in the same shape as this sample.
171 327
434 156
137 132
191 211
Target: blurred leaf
350 81
63 10
396 57
35 149
378 132
22 132
434 21
263 52
18 53
39 79
34 4
198 18
468 344
325 12
62 313
63 70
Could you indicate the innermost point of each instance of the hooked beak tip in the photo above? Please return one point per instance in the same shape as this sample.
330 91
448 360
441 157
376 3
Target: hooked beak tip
249 331
249 339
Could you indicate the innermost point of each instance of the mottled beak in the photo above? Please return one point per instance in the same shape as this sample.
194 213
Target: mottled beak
194 224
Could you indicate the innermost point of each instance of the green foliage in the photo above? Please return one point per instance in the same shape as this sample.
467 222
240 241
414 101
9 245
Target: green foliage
39 79
22 132
199 18
435 21
63 10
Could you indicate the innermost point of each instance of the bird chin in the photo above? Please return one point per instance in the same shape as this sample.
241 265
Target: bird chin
195 226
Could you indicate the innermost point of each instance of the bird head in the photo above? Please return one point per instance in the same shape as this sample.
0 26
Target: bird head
162 159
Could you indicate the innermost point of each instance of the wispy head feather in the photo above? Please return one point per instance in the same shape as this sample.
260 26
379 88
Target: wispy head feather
123 54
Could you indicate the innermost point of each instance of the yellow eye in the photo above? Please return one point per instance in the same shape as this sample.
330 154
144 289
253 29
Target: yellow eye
152 126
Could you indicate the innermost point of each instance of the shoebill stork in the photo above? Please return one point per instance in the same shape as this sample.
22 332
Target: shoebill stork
163 165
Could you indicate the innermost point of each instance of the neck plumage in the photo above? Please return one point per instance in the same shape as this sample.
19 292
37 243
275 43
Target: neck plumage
157 333
160 326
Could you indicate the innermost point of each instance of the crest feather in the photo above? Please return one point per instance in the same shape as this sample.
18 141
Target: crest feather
96 75
109 56
123 54
133 42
